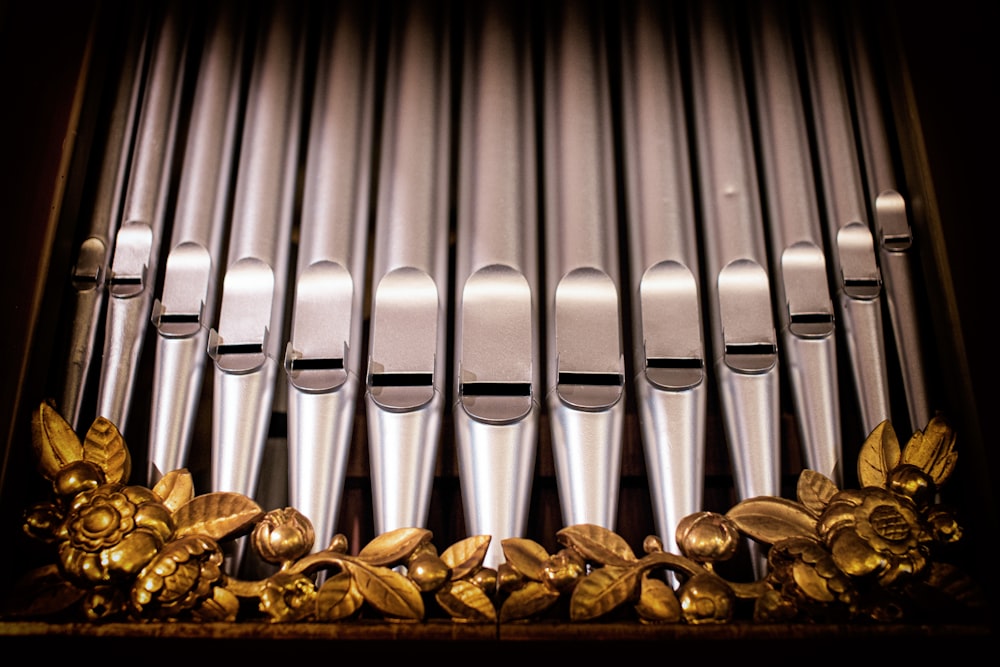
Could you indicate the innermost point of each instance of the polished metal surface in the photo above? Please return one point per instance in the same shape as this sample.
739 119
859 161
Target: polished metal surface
586 366
804 307
744 344
407 353
668 342
857 278
496 349
441 212
324 350
93 261
890 215
135 262
247 343
182 315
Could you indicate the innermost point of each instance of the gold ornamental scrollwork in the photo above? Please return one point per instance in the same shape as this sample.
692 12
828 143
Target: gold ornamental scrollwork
127 552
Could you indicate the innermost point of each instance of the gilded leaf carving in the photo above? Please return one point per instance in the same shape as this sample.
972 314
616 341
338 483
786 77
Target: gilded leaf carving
933 450
879 454
465 601
597 544
54 441
815 490
602 591
339 597
388 591
160 555
526 556
218 515
770 519
530 600
466 556
809 580
104 446
175 488
657 602
394 546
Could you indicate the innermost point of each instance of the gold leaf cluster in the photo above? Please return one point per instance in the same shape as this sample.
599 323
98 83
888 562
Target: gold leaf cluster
832 554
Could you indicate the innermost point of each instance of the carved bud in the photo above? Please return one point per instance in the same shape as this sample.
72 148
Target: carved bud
283 535
103 603
943 525
77 477
486 579
563 570
652 544
45 522
509 579
705 598
913 483
338 544
428 571
707 537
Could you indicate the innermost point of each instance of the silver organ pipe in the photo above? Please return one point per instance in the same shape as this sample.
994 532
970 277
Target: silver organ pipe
431 242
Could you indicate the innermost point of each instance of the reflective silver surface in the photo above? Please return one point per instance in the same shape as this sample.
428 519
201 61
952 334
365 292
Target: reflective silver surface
407 353
857 279
247 342
90 271
137 243
497 364
804 307
743 336
897 248
586 367
324 351
183 313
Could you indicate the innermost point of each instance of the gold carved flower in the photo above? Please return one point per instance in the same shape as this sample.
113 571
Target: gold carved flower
112 532
180 578
873 531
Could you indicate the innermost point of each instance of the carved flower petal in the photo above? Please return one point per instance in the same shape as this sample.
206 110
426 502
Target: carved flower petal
854 556
80 565
156 518
134 552
811 583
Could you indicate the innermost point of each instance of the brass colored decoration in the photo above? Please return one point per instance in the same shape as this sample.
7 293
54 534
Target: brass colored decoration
617 577
126 552
834 556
